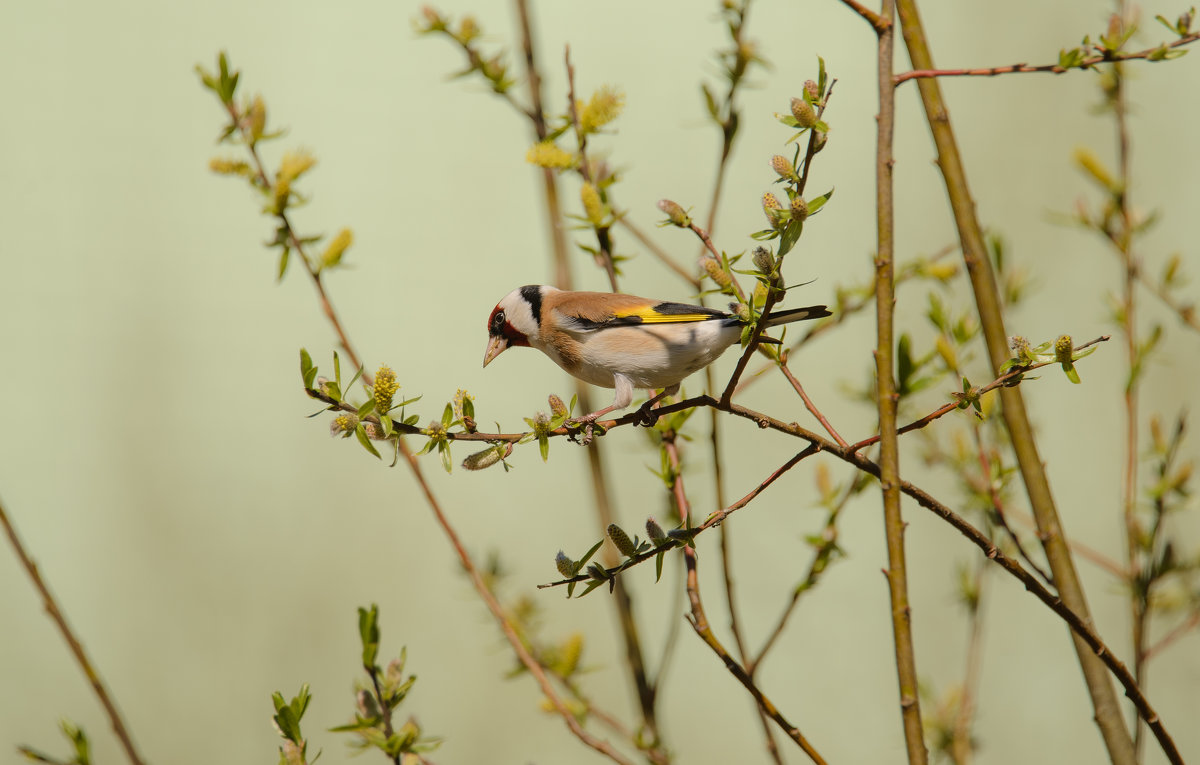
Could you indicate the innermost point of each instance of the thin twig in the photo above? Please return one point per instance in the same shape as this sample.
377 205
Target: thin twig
989 486
816 567
961 744
603 238
1080 626
658 252
877 22
603 507
887 399
989 306
706 240
808 404
506 626
1002 381
1100 58
700 624
73 642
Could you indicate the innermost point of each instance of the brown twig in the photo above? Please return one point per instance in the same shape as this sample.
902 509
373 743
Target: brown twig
887 400
294 241
816 567
699 623
706 240
554 219
658 252
877 22
990 309
1178 631
671 448
603 237
1003 380
1103 57
1080 626
989 487
510 633
960 746
73 642
808 404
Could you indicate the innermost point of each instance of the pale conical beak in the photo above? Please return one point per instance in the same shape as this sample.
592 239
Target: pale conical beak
497 344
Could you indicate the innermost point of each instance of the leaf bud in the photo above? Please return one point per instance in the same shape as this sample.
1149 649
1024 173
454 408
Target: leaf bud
713 268
368 708
547 155
557 407
1063 349
343 425
656 533
763 260
804 113
564 564
782 167
799 209
593 206
384 388
812 89
676 215
621 540
569 653
485 459
773 210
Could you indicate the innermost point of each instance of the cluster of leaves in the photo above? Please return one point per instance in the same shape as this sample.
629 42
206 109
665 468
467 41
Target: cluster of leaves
736 63
1161 565
1109 44
634 549
376 701
247 126
75 736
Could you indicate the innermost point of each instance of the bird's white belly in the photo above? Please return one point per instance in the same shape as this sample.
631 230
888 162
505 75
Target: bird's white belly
651 356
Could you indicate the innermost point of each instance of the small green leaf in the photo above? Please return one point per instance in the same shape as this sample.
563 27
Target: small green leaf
368 631
791 235
306 368
284 254
361 433
711 103
588 556
447 416
816 203
366 408
337 369
544 446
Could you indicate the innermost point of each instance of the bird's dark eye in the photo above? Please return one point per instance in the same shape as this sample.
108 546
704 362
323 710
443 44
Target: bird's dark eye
498 321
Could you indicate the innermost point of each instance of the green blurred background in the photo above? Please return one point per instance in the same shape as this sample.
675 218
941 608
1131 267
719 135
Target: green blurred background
211 544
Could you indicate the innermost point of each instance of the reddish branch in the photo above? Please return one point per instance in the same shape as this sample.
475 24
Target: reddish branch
73 643
1103 57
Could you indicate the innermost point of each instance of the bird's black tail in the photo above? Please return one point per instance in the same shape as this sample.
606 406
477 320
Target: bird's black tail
797 314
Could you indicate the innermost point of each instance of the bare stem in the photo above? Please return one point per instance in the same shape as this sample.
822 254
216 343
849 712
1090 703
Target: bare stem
1100 58
73 642
989 305
700 624
888 399
506 626
603 235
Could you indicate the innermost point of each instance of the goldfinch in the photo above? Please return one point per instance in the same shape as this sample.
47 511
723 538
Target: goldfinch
619 341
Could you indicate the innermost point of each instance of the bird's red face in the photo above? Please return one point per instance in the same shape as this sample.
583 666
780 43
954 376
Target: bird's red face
501 334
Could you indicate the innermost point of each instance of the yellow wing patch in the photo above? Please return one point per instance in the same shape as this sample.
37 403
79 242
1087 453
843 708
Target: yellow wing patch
668 313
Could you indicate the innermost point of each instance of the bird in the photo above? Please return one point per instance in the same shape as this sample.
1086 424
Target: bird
620 341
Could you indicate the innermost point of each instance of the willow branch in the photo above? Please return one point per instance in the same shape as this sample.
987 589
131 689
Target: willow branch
1102 57
699 623
989 305
73 642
